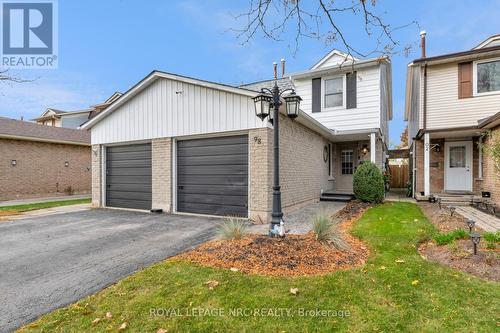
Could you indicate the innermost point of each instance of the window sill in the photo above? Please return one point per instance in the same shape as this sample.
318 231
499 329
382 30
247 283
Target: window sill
330 179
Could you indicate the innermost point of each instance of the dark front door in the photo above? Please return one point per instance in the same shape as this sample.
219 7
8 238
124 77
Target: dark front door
212 176
128 176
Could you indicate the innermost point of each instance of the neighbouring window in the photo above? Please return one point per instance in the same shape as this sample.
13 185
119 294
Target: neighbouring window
488 77
457 157
347 162
334 92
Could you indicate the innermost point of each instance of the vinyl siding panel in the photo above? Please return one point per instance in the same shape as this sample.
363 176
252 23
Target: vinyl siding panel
365 116
169 108
445 109
384 100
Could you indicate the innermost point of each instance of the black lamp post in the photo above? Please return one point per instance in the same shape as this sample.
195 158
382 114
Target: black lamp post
267 103
470 224
476 238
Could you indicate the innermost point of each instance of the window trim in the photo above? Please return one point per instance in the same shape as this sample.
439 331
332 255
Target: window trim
341 162
474 77
323 92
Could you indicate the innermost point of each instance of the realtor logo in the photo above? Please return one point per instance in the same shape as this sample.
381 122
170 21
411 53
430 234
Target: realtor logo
29 34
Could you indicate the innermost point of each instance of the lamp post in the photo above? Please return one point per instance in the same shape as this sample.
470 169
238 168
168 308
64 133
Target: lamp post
267 103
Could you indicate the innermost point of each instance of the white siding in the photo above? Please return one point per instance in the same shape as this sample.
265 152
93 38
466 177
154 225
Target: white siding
365 116
415 102
384 101
334 60
445 109
169 108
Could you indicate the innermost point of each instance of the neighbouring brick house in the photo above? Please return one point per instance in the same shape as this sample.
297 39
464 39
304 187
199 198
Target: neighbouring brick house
38 160
451 100
186 145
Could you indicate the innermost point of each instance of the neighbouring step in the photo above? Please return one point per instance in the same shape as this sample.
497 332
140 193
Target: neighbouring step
336 196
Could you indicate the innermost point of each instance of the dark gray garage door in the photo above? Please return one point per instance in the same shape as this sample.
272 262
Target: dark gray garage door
212 176
128 176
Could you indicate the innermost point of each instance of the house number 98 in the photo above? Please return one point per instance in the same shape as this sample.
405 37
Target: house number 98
257 140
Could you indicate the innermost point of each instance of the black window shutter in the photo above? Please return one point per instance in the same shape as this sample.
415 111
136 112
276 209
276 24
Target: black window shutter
351 90
316 95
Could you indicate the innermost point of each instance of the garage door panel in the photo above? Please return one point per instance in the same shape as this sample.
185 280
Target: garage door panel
214 170
136 155
238 149
212 176
215 189
144 171
132 204
128 176
209 160
213 180
225 210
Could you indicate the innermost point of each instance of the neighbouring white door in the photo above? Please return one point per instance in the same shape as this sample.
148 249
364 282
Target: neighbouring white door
458 166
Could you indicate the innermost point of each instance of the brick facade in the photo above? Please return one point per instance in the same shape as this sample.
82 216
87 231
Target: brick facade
161 161
40 169
491 175
96 176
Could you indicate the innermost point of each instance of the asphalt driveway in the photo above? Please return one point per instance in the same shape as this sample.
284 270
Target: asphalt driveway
50 261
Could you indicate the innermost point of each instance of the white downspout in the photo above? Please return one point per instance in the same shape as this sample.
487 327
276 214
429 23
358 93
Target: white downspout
427 148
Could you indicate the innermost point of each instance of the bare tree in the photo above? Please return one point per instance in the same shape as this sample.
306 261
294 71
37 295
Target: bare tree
273 18
5 76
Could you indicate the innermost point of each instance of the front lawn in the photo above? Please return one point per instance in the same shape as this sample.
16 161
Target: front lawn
396 291
41 205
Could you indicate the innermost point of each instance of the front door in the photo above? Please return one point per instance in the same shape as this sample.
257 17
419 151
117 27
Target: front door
458 166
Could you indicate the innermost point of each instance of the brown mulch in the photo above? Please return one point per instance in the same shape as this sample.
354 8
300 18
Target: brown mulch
459 255
442 218
294 255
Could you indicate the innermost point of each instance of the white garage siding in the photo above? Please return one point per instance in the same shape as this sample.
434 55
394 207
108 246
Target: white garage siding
170 108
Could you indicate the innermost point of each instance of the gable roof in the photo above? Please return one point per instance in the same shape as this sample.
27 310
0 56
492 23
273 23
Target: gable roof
24 130
488 42
152 77
343 57
283 83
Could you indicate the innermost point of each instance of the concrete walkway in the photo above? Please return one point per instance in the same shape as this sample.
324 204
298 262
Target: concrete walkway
398 194
485 221
40 200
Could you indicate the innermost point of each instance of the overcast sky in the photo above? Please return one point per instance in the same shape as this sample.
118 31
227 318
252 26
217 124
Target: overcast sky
107 46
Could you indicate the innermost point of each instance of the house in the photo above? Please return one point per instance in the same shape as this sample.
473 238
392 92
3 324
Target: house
450 100
38 160
72 119
186 145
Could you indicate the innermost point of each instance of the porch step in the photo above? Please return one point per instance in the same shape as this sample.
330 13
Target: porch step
336 196
448 199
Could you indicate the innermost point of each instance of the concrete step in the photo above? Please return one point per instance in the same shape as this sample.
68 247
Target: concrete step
343 197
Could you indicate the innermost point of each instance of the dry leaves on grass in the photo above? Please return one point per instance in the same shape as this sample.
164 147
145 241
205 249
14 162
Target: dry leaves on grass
212 284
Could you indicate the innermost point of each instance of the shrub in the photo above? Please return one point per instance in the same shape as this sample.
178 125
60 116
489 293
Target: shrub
368 183
447 238
328 233
232 228
492 237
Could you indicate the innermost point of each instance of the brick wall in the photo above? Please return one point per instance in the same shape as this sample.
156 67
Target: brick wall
303 171
41 170
260 168
96 176
491 176
161 159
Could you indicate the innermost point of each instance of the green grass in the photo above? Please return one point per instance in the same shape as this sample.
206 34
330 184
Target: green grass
41 205
396 291
447 238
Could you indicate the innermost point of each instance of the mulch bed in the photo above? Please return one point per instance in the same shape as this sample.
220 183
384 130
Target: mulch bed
294 255
442 218
486 264
459 254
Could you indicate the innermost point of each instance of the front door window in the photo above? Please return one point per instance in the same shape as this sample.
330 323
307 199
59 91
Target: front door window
457 157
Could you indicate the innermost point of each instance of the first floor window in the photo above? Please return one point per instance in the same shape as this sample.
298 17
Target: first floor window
488 76
347 162
334 92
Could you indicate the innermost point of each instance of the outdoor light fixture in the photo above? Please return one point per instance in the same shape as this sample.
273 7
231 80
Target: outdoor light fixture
292 105
470 224
267 104
365 150
13 163
262 105
66 164
476 238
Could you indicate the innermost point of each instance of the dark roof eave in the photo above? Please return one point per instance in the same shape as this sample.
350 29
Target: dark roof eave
457 54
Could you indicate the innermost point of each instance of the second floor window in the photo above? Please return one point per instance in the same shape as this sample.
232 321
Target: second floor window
334 92
488 77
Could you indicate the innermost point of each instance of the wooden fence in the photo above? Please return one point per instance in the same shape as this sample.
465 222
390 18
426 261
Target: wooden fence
399 176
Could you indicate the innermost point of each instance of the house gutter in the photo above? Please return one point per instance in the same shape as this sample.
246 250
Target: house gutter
28 138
